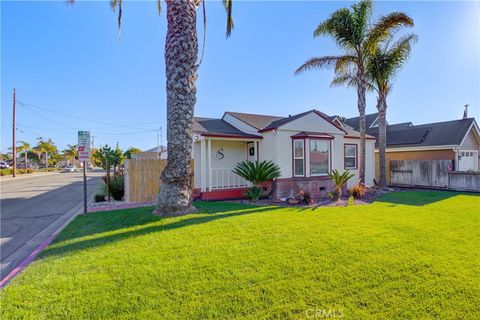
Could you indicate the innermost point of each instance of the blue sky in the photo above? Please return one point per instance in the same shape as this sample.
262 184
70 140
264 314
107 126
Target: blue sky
67 59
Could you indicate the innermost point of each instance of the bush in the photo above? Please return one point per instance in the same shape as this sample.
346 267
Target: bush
5 172
99 197
338 180
357 191
117 187
253 193
304 197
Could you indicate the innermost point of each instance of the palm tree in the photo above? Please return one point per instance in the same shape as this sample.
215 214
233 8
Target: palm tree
382 67
70 153
25 147
352 31
181 53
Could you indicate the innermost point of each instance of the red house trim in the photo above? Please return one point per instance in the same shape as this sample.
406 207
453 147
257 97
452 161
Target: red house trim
356 156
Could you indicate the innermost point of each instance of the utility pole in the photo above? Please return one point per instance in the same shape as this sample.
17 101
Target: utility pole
159 141
14 149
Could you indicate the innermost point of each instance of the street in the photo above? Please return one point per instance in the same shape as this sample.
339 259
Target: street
32 207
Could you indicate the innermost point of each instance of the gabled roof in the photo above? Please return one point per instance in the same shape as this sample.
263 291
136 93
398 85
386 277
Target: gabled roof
446 133
355 122
218 128
281 122
258 121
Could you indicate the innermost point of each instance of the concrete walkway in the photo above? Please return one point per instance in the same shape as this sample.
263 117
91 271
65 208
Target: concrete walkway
36 207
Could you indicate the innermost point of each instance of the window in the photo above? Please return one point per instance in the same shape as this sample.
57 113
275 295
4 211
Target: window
319 157
350 156
298 158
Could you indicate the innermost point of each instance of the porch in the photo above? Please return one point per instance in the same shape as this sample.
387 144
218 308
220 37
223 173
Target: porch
215 159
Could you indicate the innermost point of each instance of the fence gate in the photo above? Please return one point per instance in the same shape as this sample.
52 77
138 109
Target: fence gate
422 173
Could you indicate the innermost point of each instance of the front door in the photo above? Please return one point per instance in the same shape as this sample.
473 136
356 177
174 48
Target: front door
251 151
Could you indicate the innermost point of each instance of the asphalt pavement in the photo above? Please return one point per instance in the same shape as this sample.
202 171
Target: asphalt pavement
33 206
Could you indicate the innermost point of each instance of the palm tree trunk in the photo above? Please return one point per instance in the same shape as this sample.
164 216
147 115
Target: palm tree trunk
361 90
181 50
382 140
25 153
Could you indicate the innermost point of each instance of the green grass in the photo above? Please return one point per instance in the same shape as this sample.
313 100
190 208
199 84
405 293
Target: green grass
410 255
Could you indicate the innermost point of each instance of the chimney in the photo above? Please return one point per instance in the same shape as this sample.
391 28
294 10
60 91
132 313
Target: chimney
465 112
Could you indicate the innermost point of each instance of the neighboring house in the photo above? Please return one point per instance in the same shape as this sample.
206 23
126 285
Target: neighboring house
305 146
457 140
153 153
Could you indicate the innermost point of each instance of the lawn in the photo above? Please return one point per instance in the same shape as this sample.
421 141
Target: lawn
408 255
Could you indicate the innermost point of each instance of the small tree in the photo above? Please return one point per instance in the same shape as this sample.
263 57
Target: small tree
257 173
339 180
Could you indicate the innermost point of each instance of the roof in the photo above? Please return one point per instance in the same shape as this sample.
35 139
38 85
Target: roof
390 127
258 121
308 134
430 134
283 121
218 128
355 122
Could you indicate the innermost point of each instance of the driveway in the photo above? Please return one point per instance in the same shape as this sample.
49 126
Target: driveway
33 207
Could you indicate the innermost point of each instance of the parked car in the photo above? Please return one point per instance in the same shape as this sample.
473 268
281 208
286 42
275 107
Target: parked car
70 169
89 166
4 165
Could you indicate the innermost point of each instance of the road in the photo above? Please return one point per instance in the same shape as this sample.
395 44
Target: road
32 207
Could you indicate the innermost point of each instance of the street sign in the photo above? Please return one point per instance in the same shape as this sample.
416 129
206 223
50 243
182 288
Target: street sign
83 146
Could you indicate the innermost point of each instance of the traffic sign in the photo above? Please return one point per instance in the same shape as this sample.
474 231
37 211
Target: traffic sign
83 146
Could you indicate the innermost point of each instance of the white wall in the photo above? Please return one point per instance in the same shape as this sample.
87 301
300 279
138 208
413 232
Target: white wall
312 122
369 161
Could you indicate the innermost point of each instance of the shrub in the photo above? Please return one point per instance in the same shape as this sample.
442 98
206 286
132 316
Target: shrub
5 172
339 180
351 201
116 187
357 191
253 193
99 197
304 197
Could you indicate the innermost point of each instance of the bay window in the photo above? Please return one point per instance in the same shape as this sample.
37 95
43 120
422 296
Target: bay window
319 157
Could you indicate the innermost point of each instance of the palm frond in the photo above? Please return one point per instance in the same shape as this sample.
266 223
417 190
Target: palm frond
228 8
320 63
257 172
362 13
386 27
159 7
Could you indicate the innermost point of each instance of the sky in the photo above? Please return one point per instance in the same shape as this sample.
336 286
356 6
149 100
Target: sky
72 71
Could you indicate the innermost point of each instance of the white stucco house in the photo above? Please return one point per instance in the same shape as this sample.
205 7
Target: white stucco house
306 146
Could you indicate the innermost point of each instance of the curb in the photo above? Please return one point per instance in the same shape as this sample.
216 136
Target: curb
52 230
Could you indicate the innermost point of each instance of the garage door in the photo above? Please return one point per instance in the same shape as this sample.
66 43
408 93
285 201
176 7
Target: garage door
466 161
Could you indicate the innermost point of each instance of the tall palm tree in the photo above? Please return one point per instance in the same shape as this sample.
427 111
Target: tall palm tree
70 153
181 53
352 31
382 67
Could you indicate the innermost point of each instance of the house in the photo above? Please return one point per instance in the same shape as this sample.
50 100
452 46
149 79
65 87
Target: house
159 152
456 140
305 146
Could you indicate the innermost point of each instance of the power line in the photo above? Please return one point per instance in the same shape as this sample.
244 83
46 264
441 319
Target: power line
135 126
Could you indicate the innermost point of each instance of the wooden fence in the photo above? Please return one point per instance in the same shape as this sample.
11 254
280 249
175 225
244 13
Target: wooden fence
142 179
432 174
421 173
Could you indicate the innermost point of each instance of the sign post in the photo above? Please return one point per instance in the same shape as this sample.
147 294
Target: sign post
84 156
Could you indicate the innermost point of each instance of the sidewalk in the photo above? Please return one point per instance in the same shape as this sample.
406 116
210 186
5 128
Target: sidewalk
23 176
